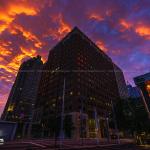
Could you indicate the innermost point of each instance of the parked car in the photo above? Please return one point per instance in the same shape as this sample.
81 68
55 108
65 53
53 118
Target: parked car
1 140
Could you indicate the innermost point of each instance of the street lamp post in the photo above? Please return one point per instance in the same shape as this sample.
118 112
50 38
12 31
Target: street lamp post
81 111
62 115
96 125
115 123
107 128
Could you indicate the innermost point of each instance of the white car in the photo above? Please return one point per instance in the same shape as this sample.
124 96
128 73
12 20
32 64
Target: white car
1 141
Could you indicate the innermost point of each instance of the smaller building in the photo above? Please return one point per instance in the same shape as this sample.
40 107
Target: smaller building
20 104
7 130
133 92
135 98
121 83
143 83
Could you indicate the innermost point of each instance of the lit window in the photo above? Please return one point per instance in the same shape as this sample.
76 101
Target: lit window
148 87
71 93
10 108
53 105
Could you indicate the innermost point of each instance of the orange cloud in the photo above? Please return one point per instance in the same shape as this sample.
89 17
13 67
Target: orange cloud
3 99
2 27
8 14
5 78
5 43
13 66
4 51
95 17
17 60
1 59
15 63
62 29
30 53
140 29
27 34
2 102
15 9
126 25
6 68
102 46
143 31
4 48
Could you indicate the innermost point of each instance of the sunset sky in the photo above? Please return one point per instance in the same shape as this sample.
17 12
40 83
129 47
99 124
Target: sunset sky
121 28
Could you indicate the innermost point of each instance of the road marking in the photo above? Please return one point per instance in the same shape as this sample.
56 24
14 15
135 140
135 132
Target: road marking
39 145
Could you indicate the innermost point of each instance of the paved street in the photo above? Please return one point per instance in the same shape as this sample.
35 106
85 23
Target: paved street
67 145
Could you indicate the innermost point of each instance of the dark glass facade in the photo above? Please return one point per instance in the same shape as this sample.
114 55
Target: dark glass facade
90 82
143 83
21 101
121 83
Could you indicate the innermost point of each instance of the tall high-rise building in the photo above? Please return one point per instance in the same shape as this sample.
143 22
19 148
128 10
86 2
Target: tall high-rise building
21 101
78 78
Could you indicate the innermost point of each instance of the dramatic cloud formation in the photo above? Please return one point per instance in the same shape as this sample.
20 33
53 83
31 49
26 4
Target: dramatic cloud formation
144 31
8 12
121 28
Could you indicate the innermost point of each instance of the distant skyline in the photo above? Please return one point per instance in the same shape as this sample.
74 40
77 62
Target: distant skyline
28 28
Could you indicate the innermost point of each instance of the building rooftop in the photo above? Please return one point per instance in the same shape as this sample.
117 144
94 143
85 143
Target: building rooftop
76 30
142 78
